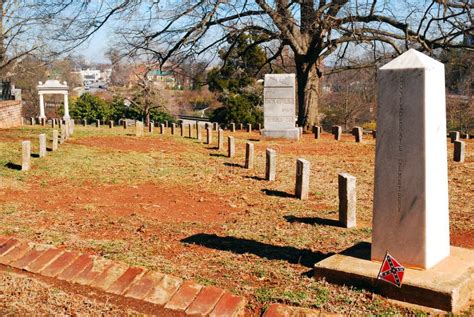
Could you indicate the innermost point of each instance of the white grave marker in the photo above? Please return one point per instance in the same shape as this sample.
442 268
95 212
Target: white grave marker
411 216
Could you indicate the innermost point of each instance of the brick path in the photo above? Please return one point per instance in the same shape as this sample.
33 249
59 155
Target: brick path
171 293
120 279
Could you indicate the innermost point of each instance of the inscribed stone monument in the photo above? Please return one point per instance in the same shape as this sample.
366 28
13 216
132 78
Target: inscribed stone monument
411 218
279 107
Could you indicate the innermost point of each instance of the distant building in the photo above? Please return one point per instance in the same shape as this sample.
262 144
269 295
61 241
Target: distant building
160 78
90 76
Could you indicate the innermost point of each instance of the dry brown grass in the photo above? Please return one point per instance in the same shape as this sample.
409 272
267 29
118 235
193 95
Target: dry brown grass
24 296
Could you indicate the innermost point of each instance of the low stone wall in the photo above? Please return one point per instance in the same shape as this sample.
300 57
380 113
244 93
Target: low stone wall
10 114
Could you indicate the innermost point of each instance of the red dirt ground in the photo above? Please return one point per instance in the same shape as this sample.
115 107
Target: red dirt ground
463 239
150 200
132 144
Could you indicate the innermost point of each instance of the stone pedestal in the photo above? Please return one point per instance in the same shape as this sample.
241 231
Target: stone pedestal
448 286
232 127
173 128
151 126
411 217
292 134
111 124
162 128
279 107
249 127
97 123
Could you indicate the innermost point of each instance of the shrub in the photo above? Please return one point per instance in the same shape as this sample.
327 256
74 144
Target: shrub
372 125
91 107
239 108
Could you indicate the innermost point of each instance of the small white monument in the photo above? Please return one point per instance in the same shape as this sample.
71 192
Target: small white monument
279 107
411 216
53 87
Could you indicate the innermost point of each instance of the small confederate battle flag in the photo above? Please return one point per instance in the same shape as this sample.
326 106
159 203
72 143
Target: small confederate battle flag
391 271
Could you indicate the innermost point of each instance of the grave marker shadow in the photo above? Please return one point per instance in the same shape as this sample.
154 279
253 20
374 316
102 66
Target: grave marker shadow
13 166
277 193
292 255
314 221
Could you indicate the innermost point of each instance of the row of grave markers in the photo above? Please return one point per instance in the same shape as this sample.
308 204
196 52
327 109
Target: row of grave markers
357 132
347 182
67 129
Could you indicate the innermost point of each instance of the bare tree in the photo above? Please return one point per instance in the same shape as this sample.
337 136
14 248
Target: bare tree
146 97
120 71
24 29
317 32
348 98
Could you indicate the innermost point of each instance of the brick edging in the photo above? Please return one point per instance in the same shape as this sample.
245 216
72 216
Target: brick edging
118 278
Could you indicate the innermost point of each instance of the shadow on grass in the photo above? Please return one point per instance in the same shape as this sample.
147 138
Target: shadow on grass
212 148
257 178
218 155
13 166
292 255
35 155
254 140
234 165
277 193
313 221
360 250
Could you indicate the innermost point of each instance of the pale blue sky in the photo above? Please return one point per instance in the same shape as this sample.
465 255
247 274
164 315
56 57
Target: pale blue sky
95 48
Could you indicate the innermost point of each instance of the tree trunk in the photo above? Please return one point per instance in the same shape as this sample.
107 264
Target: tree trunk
2 37
307 79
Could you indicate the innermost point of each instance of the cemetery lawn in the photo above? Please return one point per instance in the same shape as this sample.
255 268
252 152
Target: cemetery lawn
181 207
